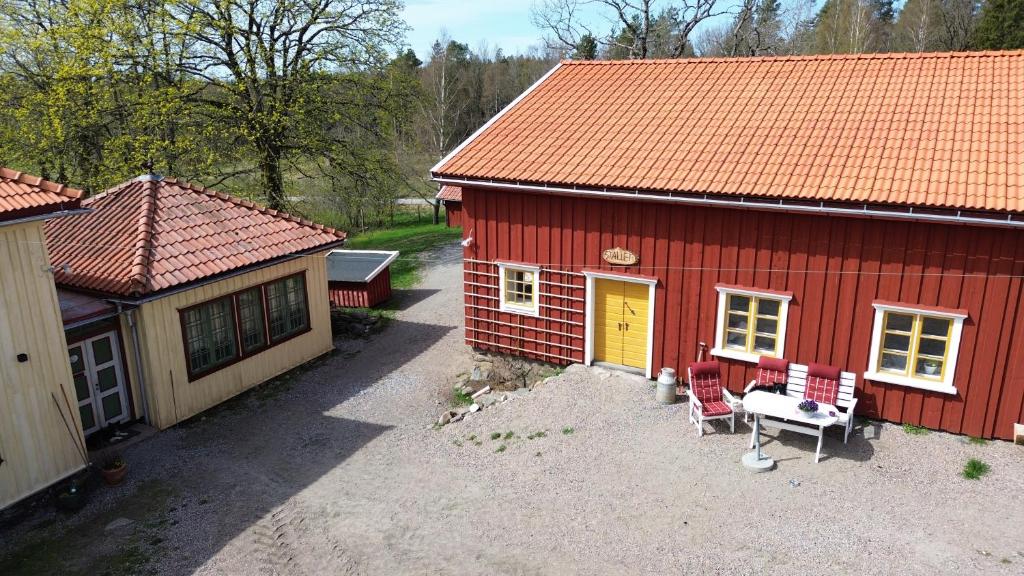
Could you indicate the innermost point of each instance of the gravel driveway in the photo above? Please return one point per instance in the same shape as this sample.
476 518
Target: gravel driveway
342 473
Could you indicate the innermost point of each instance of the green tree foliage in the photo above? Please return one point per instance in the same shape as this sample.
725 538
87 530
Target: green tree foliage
1000 25
586 48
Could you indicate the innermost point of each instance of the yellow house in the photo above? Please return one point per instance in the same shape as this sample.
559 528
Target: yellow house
41 439
206 296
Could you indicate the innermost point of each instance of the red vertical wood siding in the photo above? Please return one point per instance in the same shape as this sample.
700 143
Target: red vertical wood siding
361 294
452 213
835 267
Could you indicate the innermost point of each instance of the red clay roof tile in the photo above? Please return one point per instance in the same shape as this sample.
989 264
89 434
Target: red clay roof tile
148 235
22 195
452 193
936 129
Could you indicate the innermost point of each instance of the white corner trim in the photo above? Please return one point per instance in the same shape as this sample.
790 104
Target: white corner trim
513 308
392 255
780 343
913 310
493 119
909 382
946 384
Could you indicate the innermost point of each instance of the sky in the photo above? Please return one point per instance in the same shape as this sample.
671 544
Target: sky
498 23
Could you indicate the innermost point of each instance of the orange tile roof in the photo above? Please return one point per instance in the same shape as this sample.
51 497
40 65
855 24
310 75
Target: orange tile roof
22 195
936 130
148 234
450 193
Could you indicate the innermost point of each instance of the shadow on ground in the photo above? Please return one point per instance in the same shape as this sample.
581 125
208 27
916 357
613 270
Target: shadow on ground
227 470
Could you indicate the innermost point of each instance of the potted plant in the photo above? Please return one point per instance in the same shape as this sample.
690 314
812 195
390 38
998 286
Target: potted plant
808 407
113 470
71 498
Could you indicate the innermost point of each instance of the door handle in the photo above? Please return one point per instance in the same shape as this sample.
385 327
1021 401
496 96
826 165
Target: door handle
620 326
627 326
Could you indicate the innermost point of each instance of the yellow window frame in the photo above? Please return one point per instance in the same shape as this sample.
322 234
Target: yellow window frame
532 282
751 333
913 353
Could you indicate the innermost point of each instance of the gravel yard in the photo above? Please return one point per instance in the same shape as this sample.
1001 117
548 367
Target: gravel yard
339 471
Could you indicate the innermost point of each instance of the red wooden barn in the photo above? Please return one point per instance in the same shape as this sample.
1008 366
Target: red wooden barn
862 211
451 199
359 278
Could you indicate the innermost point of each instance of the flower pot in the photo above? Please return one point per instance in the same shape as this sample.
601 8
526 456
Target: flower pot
807 413
931 369
114 476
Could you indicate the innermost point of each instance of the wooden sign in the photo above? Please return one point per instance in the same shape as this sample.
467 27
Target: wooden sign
619 257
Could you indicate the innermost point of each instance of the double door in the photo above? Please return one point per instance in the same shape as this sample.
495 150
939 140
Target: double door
621 311
99 381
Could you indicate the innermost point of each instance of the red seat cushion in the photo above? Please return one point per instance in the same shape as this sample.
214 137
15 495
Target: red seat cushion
716 409
771 371
706 381
822 383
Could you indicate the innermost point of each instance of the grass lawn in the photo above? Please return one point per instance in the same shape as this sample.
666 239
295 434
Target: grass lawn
411 241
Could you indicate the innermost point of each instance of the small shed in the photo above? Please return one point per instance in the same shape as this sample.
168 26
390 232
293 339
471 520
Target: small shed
359 278
451 198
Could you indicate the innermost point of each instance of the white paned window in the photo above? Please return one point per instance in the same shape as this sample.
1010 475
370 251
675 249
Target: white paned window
518 286
915 347
751 323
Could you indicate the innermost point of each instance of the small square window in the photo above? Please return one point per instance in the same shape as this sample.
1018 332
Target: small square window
518 286
751 323
915 348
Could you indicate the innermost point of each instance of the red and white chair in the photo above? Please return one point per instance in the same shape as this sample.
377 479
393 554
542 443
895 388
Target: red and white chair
709 400
772 374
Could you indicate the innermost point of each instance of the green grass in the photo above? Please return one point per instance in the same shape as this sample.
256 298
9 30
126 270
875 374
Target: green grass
509 435
495 435
568 430
460 398
975 469
411 241
915 430
977 441
501 448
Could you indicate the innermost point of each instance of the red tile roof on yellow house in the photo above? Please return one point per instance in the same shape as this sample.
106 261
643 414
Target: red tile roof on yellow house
450 193
22 195
150 234
940 130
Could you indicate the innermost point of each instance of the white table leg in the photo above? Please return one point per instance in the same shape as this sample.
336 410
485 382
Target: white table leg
756 431
821 435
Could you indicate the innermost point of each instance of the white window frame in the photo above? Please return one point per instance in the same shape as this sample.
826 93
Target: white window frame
944 386
723 295
504 306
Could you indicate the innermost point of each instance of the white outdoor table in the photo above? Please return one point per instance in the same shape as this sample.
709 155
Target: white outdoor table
781 412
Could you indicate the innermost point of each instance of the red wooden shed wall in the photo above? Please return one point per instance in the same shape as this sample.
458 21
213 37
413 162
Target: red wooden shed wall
453 213
361 294
834 266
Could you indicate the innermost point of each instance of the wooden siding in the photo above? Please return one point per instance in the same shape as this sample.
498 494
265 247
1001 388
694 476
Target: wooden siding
172 398
834 266
35 443
361 294
452 213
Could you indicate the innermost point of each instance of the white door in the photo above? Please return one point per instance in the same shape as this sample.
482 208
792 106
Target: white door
99 381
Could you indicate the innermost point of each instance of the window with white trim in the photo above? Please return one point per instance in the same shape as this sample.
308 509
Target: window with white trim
750 323
518 287
914 347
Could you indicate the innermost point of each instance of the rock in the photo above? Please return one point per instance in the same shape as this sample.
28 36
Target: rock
457 417
118 523
522 391
481 392
444 419
474 408
487 400
480 358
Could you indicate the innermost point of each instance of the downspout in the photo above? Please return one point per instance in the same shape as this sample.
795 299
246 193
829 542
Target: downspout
138 362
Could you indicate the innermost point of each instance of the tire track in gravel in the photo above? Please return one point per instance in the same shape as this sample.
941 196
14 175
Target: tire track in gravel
291 545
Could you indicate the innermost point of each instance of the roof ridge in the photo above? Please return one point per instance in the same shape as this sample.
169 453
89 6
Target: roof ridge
39 182
253 206
138 274
799 57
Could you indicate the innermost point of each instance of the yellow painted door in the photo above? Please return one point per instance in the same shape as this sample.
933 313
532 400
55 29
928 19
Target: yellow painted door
620 322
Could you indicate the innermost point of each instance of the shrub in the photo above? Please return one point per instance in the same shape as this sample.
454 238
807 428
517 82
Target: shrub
975 469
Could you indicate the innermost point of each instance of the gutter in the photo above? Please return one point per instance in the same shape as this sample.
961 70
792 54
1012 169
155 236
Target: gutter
861 211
